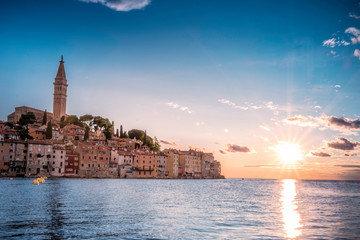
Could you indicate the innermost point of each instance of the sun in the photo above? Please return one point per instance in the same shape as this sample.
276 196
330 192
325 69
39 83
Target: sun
288 153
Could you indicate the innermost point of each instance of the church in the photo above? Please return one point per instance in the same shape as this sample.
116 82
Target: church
59 101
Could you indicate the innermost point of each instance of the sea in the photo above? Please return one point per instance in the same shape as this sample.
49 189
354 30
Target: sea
63 208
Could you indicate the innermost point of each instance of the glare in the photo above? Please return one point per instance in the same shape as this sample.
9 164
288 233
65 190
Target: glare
291 217
288 153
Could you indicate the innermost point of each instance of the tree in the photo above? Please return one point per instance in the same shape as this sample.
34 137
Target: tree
136 133
86 135
121 132
49 130
44 121
117 132
125 135
87 119
62 122
144 139
23 125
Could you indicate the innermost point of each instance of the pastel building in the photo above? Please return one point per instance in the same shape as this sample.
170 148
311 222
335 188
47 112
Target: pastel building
172 162
57 163
145 164
94 161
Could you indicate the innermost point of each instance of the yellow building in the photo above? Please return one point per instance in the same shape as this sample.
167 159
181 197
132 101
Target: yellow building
145 163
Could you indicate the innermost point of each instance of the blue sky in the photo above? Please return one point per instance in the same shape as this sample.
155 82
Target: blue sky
207 74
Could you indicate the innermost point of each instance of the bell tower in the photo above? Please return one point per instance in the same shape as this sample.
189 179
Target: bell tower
60 88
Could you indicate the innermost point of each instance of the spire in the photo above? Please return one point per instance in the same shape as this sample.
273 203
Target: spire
61 71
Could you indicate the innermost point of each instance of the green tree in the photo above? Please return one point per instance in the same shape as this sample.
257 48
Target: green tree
125 135
117 132
23 125
87 131
144 138
62 122
49 130
87 119
136 133
121 132
44 121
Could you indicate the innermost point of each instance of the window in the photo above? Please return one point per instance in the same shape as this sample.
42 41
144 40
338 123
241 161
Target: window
59 170
89 164
61 157
60 164
53 169
54 163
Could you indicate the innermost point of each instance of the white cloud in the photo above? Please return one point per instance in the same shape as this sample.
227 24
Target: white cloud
353 15
335 42
122 5
265 128
317 107
333 52
231 104
353 31
199 123
337 86
267 105
357 53
330 42
177 106
355 40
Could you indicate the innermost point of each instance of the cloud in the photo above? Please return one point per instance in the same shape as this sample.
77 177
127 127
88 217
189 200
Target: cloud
168 143
344 125
199 123
301 121
237 148
353 15
332 42
265 128
337 86
222 152
348 166
232 104
320 154
333 52
353 31
344 122
343 144
357 53
177 106
266 105
263 166
121 5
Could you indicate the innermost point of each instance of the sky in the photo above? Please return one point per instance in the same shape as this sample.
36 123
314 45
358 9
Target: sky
271 88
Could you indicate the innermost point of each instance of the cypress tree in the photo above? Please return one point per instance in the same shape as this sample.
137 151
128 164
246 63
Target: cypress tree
86 135
117 132
44 121
145 138
49 130
121 132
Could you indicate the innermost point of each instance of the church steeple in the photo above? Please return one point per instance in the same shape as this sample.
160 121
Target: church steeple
60 89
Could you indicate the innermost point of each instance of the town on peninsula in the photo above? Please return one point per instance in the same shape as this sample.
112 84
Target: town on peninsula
37 143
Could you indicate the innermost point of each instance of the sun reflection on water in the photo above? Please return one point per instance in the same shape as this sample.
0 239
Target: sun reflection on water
291 217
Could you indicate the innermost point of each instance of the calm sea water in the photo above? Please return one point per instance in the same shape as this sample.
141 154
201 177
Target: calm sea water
179 209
